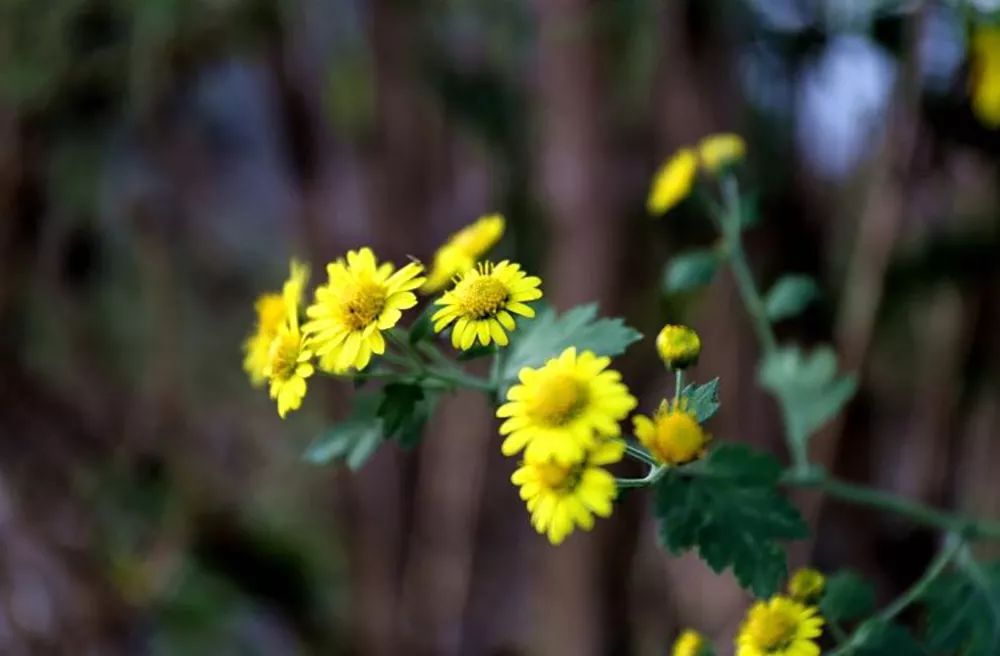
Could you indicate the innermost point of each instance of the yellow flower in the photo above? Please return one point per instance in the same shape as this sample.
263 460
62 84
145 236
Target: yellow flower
271 311
779 627
462 250
984 74
361 299
288 362
672 182
673 435
806 584
720 150
561 496
690 643
678 346
561 409
481 302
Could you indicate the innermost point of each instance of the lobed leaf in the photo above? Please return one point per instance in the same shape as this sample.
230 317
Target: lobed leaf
729 508
703 400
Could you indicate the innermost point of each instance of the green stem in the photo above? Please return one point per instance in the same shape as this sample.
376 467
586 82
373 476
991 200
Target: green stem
678 385
640 454
953 544
460 379
655 474
968 528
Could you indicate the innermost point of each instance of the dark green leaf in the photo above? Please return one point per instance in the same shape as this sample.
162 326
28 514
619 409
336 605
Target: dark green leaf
749 209
729 508
808 388
545 337
690 270
963 611
880 639
847 597
353 441
703 400
404 410
789 296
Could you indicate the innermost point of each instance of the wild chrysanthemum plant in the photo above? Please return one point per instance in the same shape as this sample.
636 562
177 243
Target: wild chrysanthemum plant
564 411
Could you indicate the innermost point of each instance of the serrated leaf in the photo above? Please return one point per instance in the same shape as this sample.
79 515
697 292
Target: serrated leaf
690 270
881 639
790 296
534 342
729 508
808 388
963 611
703 400
847 597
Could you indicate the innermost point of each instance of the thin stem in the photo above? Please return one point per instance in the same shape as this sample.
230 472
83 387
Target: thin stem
968 528
678 385
640 454
459 378
655 474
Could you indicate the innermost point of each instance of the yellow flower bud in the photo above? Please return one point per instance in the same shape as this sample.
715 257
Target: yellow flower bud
719 150
806 584
679 346
690 643
672 182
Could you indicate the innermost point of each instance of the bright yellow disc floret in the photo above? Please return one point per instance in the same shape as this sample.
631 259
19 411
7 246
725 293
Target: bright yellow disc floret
779 626
673 434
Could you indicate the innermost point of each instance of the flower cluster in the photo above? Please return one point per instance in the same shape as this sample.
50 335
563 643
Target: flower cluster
784 625
363 299
675 178
984 74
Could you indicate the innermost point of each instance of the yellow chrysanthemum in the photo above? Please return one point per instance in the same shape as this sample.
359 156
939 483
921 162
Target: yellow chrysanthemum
984 78
806 584
678 346
673 435
563 408
288 364
271 311
690 643
481 302
361 299
673 181
719 150
562 496
779 627
462 250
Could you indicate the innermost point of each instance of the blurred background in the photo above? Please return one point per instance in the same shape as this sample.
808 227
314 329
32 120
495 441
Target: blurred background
161 160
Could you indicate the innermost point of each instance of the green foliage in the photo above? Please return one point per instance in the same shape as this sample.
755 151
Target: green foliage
703 400
476 352
963 611
423 327
847 597
808 388
549 334
690 270
728 507
404 409
790 296
886 639
353 440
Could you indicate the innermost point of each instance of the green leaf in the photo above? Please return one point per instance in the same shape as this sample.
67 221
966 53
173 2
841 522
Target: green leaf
534 342
886 639
790 296
808 388
353 440
729 508
847 597
963 611
749 209
476 352
690 270
703 400
404 410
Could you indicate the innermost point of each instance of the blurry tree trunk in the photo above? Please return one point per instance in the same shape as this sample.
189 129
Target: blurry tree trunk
585 243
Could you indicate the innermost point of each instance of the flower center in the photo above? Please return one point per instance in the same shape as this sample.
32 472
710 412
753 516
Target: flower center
773 630
284 355
363 303
483 297
557 400
557 477
679 438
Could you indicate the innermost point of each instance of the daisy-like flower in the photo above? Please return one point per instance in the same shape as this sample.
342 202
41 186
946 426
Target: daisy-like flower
361 299
562 496
289 356
806 584
673 434
462 250
691 643
271 311
984 74
482 301
717 151
672 182
678 346
779 626
563 408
